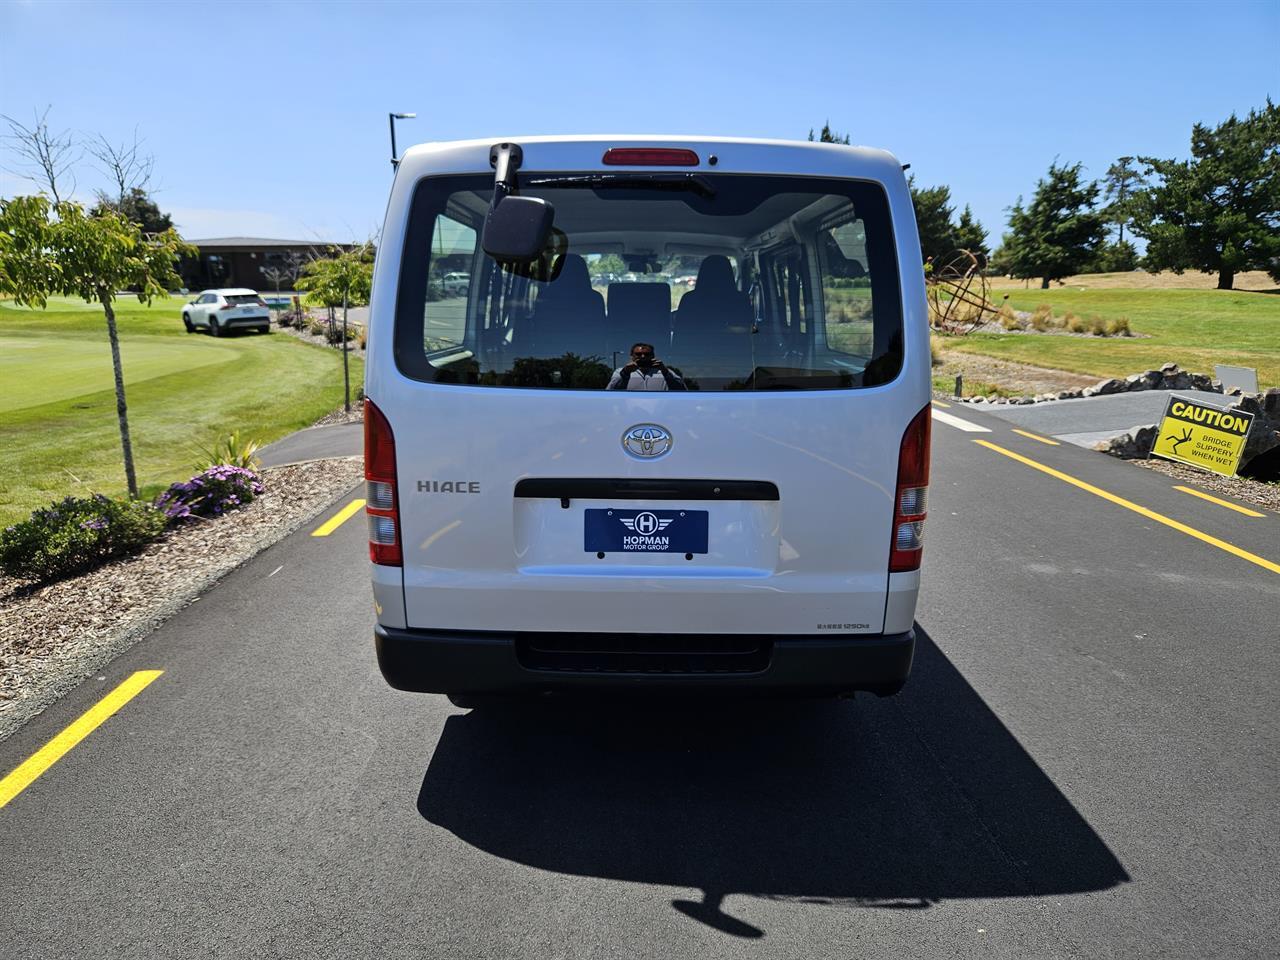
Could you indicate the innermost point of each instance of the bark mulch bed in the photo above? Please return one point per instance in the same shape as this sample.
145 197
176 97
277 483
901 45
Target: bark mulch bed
52 637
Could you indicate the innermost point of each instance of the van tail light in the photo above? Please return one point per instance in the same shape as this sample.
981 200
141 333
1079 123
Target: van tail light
649 157
911 499
227 306
382 503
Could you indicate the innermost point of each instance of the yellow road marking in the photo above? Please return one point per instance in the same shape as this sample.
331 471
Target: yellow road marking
90 720
939 403
339 518
1222 503
1052 443
1130 505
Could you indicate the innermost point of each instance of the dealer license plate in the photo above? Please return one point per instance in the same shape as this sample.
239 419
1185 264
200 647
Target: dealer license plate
645 531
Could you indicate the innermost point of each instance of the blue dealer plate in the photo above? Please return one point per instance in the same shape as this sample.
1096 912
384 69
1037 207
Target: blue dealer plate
645 531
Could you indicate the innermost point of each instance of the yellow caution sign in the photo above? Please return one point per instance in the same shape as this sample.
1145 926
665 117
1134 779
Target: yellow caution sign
1203 436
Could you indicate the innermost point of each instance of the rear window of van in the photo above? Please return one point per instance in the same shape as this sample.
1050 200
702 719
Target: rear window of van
737 282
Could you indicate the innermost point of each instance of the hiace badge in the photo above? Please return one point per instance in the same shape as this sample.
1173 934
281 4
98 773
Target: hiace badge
645 531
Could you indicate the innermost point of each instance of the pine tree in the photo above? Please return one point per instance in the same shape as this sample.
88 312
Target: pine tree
1218 212
1061 232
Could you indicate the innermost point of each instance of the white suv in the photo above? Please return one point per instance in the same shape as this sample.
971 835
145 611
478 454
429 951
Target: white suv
220 311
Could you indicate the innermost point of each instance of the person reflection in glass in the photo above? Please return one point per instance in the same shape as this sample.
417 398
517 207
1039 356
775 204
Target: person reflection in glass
645 372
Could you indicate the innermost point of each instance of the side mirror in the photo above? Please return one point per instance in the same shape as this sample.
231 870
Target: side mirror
516 229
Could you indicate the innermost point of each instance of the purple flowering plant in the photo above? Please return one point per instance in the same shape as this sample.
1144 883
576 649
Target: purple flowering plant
76 534
210 493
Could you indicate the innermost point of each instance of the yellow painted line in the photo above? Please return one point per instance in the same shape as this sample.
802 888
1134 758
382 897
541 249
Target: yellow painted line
1136 508
90 720
1033 436
1222 503
339 518
939 403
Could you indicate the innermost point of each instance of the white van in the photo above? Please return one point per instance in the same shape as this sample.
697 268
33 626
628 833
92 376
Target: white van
581 482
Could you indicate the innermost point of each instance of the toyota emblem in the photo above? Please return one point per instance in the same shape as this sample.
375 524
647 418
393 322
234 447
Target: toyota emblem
646 441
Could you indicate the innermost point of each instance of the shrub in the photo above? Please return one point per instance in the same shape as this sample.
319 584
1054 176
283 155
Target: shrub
1119 327
76 535
1075 324
1008 318
210 493
318 328
230 450
334 334
1042 318
1097 326
935 352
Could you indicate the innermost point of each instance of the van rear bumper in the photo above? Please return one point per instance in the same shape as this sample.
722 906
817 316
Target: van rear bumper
480 662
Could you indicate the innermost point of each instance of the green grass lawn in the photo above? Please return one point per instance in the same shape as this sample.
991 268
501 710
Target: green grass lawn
58 428
1193 328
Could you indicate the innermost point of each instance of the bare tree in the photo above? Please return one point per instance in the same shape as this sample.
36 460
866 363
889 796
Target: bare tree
43 157
126 164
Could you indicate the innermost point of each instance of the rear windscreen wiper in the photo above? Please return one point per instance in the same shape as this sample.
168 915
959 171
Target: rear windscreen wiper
690 182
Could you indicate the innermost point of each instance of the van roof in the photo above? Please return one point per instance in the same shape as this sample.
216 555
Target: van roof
734 154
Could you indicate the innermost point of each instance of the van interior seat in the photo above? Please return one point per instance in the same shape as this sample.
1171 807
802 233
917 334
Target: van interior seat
569 315
640 312
714 319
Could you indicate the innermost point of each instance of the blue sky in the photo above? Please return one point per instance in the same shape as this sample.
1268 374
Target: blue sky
270 119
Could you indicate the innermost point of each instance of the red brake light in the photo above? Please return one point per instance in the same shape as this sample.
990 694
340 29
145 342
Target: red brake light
382 501
910 499
649 157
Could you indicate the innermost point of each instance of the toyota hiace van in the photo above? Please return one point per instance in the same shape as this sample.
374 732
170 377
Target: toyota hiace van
672 434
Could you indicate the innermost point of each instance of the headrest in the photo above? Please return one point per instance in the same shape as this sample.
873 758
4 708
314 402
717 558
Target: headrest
715 274
637 298
573 272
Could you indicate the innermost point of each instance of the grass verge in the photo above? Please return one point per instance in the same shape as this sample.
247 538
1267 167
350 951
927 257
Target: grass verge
1193 328
58 428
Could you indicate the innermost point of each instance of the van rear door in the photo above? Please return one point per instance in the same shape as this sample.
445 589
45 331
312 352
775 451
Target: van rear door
748 488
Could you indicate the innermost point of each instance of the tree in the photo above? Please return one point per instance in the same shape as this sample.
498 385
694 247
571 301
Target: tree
27 268
125 163
972 236
45 158
345 278
1118 257
828 135
1218 212
1119 185
89 256
136 207
933 220
1060 232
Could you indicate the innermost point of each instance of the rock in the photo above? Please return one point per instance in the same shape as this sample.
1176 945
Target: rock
1107 387
978 400
1022 401
999 400
1264 435
1088 391
1178 380
1147 380
1169 368
1130 446
1068 394
1215 386
1200 381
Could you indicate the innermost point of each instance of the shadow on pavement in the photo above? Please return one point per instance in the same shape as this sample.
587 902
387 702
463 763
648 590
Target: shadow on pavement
889 803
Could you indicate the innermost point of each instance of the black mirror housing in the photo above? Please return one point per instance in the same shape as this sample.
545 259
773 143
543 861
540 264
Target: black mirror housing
516 229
